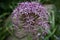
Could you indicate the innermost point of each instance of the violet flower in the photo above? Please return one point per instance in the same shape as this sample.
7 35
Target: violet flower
31 16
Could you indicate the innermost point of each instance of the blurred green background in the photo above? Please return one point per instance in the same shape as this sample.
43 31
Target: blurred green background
6 7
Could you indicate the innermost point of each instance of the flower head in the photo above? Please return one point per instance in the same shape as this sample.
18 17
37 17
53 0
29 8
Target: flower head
31 16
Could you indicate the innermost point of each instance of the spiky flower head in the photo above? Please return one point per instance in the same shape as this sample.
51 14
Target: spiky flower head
31 16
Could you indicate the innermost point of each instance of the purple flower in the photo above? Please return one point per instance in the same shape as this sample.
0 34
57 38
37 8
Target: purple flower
31 16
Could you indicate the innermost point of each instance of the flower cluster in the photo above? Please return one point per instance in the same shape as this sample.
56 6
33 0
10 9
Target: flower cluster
31 16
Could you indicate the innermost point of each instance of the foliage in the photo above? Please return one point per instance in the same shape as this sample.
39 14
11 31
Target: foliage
6 7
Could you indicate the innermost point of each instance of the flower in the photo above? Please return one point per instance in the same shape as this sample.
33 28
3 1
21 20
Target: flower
31 16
